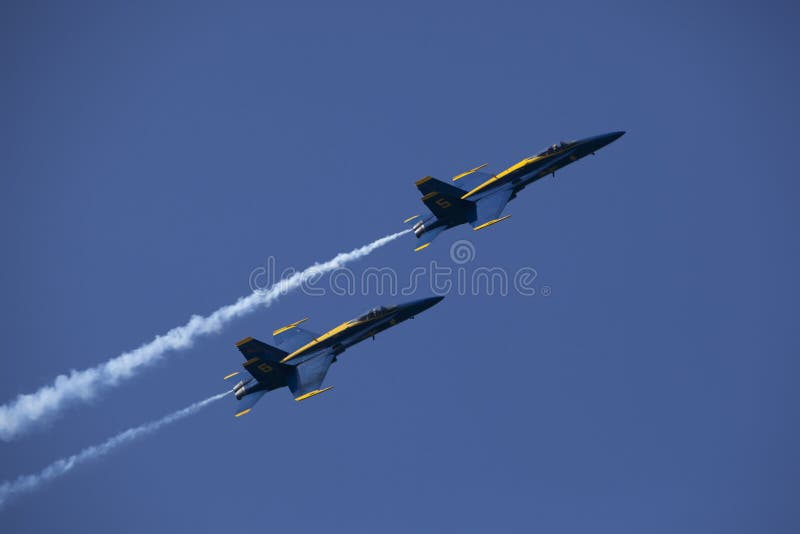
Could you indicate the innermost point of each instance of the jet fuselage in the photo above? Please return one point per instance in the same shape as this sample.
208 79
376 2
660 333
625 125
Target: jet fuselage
479 198
546 162
363 327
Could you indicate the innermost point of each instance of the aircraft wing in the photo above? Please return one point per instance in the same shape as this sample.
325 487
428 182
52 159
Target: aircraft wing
470 181
290 338
490 207
307 378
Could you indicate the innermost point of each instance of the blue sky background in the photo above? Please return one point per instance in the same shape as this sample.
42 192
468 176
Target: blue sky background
153 155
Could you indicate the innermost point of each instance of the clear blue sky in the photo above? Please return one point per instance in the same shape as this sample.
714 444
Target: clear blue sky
153 155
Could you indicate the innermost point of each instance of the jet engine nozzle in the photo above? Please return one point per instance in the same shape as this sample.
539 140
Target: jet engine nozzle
419 229
240 389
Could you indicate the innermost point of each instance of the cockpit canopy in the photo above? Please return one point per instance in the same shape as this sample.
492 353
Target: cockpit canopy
374 312
552 149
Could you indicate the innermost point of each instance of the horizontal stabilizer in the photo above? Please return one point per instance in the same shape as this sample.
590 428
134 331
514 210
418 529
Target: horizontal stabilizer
427 238
244 406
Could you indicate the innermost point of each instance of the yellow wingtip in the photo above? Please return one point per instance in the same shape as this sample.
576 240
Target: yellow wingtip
243 412
410 218
312 393
463 174
421 247
288 326
231 375
243 341
489 223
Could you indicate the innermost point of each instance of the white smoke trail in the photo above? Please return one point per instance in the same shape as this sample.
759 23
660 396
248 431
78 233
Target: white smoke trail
29 483
27 409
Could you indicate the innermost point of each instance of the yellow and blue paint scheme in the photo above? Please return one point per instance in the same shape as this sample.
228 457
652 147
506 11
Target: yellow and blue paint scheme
479 198
301 358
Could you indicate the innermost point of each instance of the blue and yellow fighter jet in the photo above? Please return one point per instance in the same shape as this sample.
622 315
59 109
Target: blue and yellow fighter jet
302 358
479 198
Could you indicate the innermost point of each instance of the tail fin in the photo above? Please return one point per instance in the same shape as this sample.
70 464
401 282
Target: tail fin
263 362
444 200
250 347
272 374
429 184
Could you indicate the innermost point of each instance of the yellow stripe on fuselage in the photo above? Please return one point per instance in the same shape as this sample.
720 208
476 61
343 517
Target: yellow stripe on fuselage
524 163
338 330
327 335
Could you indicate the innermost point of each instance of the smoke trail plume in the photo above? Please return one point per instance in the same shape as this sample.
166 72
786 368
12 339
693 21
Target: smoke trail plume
30 483
27 409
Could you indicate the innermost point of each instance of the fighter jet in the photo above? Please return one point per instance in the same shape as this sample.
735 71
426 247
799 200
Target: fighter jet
302 358
479 198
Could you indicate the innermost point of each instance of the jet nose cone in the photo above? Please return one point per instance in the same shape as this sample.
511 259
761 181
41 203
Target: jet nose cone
597 142
603 140
428 302
421 305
